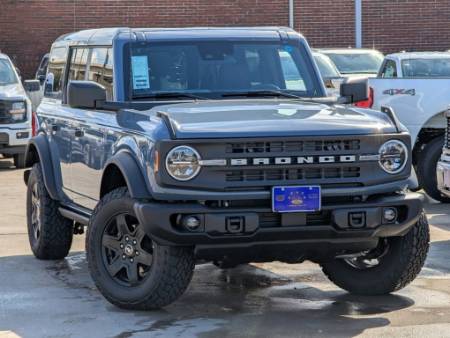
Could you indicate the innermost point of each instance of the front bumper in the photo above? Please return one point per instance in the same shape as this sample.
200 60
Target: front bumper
443 177
161 223
14 140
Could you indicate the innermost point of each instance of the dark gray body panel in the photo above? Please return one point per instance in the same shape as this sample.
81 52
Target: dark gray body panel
271 117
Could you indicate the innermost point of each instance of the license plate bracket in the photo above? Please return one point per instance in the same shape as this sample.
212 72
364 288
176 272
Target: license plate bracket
296 199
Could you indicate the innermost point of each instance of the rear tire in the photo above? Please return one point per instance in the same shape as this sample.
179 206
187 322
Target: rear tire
399 265
19 161
49 233
426 169
130 270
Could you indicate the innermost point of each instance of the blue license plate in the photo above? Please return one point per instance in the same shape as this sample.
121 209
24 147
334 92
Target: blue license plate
296 199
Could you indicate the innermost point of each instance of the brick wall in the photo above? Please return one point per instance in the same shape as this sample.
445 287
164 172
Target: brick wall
28 27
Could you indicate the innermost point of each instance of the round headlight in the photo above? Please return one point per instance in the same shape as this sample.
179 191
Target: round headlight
182 163
393 156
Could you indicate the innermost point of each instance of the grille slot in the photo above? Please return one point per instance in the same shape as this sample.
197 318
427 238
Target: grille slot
283 174
292 146
447 134
4 138
271 219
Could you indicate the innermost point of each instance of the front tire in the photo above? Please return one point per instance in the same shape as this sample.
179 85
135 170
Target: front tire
19 161
398 264
426 169
129 269
49 233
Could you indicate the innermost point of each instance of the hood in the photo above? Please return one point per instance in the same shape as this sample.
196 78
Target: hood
259 118
12 91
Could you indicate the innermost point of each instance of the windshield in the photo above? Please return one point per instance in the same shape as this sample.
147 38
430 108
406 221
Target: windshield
220 68
326 67
360 62
426 67
7 75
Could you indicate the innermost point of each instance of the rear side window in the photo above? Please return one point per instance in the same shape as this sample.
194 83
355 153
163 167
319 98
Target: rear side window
78 64
389 69
100 69
426 68
54 79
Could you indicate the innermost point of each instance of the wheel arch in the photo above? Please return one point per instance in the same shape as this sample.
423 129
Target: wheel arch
38 151
123 170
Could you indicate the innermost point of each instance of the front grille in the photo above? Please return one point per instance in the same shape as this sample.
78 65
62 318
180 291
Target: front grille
271 219
4 138
252 175
292 146
255 164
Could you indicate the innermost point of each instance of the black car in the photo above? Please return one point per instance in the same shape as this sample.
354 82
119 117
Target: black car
176 146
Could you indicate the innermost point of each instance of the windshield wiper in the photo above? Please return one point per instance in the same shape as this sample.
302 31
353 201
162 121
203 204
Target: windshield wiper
171 95
262 93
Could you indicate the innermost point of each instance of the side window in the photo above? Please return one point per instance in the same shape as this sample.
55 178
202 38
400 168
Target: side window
54 79
101 69
293 79
78 63
389 69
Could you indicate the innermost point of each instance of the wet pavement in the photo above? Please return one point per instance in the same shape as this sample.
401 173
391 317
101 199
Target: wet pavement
58 299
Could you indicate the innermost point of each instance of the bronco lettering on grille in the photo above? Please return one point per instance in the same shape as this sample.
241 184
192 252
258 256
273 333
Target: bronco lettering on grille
292 160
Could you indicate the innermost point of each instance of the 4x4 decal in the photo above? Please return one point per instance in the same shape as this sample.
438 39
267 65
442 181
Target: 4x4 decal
411 92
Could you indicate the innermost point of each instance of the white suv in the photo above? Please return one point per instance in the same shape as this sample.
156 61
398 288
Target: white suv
15 112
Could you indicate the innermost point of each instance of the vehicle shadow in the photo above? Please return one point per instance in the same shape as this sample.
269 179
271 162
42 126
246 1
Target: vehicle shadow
245 301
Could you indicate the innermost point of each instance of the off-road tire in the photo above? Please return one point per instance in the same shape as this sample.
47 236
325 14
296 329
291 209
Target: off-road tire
426 169
19 161
170 273
56 231
399 267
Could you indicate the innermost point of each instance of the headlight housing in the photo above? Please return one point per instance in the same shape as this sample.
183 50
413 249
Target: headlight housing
182 163
393 156
17 111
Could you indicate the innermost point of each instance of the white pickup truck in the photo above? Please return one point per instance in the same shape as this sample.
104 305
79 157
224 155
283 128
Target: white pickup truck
15 112
417 87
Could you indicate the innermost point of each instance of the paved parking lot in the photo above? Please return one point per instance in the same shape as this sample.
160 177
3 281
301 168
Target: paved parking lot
58 299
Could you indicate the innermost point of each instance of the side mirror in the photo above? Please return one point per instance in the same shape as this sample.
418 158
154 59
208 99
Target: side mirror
41 78
354 90
85 94
32 85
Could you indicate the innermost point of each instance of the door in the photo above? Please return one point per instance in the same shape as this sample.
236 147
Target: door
55 118
90 130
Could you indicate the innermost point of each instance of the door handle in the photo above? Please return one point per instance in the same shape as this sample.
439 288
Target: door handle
79 133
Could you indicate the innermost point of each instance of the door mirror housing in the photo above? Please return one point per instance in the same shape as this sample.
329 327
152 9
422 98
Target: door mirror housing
354 90
85 94
41 78
32 85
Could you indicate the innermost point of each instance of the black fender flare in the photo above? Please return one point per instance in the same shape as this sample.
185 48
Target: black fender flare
39 144
132 173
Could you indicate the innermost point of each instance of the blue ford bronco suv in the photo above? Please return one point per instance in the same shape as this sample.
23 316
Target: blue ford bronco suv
178 146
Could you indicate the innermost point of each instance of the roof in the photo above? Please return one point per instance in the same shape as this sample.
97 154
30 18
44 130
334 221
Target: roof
107 35
4 56
419 55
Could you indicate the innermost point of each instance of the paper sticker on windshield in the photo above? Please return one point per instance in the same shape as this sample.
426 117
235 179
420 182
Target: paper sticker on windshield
139 68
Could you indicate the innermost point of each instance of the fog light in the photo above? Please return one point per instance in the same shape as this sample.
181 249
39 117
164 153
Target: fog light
191 222
390 215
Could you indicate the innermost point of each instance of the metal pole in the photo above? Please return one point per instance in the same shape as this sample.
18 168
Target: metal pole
291 14
358 23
